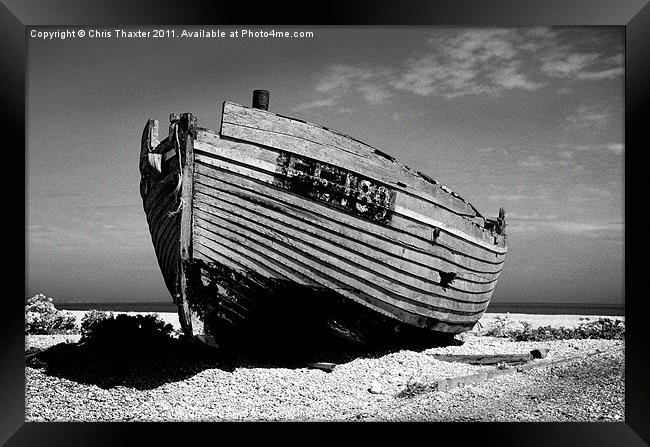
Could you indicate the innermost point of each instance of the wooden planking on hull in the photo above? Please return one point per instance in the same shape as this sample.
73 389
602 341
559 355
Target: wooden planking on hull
255 206
166 249
213 200
369 239
160 190
414 235
297 136
255 239
455 251
331 226
226 301
264 164
382 259
164 229
213 246
446 321
273 246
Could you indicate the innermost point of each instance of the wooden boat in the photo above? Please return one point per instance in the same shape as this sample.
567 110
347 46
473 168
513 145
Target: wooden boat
277 227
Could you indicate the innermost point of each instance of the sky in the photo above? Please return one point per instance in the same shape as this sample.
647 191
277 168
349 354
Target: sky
529 119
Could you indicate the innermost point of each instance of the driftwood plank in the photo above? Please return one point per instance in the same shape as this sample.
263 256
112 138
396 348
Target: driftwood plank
485 359
325 366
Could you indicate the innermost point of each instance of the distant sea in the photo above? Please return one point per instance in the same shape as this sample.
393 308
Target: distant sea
520 308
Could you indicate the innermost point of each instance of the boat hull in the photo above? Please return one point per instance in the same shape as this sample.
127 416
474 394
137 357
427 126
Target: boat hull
283 222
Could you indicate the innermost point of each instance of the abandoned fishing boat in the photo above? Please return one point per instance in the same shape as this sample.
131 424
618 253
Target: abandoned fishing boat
273 226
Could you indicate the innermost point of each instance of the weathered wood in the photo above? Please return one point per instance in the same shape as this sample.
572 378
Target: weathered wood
157 191
155 161
214 247
422 234
262 163
185 242
485 359
473 379
428 281
324 366
362 281
320 266
314 141
410 233
274 201
427 277
242 247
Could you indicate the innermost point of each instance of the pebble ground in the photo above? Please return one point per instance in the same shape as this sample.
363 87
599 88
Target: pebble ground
372 387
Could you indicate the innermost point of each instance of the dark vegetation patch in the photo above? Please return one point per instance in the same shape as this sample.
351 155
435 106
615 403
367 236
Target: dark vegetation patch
132 351
603 329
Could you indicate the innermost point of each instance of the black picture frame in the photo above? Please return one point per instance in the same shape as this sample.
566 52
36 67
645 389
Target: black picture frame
634 15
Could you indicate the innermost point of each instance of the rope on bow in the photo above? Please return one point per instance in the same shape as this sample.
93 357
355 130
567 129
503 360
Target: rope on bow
177 190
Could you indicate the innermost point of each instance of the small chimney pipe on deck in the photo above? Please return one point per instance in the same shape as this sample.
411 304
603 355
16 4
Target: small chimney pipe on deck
261 99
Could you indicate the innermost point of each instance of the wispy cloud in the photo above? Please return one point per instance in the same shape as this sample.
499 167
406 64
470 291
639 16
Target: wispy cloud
586 227
532 161
569 150
535 223
582 66
616 148
589 117
316 104
509 77
481 61
374 93
508 197
94 228
532 217
341 80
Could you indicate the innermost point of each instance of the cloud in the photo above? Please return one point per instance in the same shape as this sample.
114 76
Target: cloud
509 77
594 66
508 197
532 217
88 228
428 75
481 61
586 227
473 62
589 116
616 148
340 81
535 223
406 115
532 161
602 74
341 78
374 93
316 104
563 65
568 150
